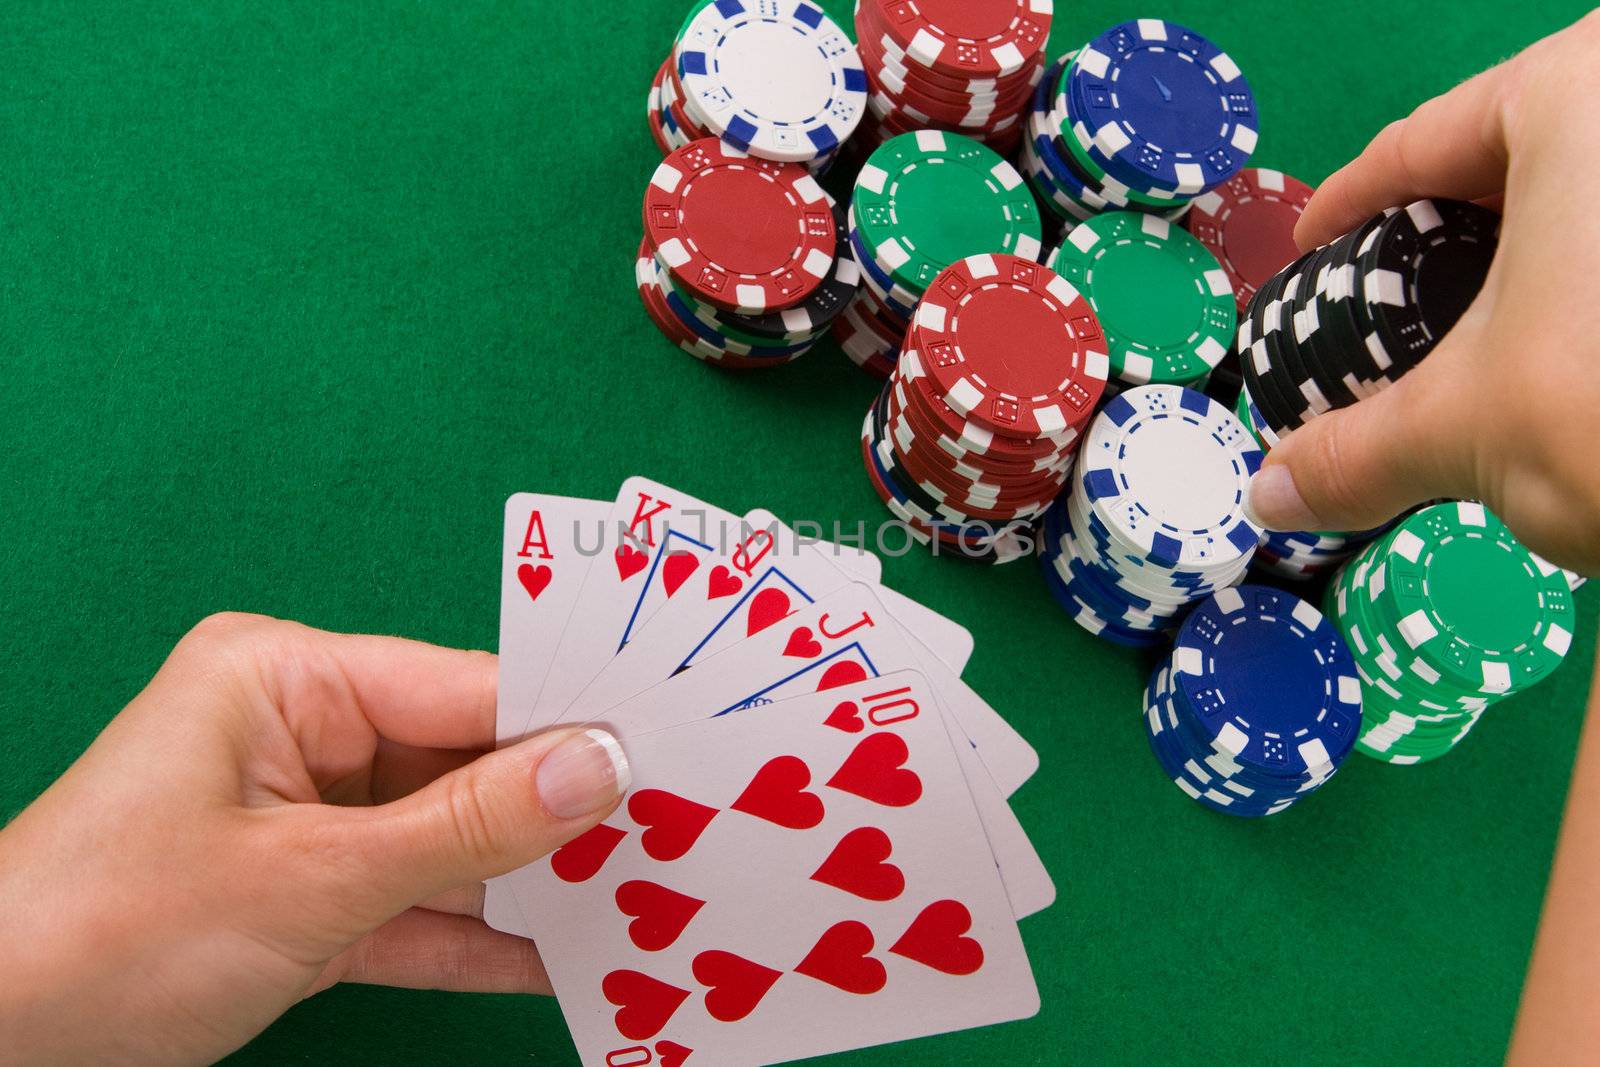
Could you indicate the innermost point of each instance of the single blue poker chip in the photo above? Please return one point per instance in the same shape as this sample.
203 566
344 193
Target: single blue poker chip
1269 680
778 79
1165 109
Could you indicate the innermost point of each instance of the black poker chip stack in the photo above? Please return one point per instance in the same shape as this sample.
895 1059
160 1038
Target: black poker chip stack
1350 318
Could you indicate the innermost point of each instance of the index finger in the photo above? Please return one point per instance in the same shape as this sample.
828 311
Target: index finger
1452 146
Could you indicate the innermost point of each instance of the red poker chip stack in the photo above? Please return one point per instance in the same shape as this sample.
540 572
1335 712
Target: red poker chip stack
964 65
745 262
1248 223
975 433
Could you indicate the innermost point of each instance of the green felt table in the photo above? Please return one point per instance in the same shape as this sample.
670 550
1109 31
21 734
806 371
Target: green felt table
295 294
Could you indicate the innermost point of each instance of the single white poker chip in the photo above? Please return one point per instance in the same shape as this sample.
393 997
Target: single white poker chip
778 79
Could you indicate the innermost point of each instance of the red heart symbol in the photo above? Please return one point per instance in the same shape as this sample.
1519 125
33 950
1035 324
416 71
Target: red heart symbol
845 672
736 984
846 717
802 645
874 772
934 939
676 570
660 913
778 794
723 582
766 608
840 959
581 858
630 561
644 1004
534 579
859 865
671 1054
673 823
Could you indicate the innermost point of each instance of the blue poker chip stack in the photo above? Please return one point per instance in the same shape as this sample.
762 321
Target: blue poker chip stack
1145 117
1258 705
1154 520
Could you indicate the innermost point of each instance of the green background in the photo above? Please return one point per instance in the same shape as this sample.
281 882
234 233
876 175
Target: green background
295 294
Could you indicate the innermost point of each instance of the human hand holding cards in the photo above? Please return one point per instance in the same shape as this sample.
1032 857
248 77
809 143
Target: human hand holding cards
817 853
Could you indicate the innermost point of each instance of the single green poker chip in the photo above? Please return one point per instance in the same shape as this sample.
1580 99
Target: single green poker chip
928 199
1468 598
1165 303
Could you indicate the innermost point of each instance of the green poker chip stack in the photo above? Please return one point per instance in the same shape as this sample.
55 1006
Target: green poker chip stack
928 199
1165 303
1446 615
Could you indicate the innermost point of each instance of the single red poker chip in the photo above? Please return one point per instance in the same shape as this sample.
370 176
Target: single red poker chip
1248 223
743 234
977 38
1012 346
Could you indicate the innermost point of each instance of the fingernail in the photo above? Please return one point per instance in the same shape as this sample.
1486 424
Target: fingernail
582 774
1274 503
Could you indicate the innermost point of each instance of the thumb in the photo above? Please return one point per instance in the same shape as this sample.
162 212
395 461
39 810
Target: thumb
501 812
1360 466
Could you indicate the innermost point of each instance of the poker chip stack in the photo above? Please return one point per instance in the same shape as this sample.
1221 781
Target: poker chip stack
1446 616
1258 705
923 201
1146 117
745 262
1248 224
1155 520
1347 320
1166 304
968 66
975 433
779 80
